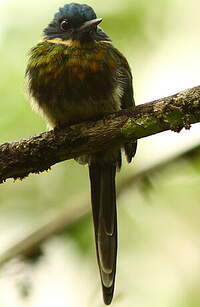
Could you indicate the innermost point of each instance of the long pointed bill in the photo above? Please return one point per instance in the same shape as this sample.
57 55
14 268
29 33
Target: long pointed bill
88 25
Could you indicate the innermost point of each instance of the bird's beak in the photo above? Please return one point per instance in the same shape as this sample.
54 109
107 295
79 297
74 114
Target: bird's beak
88 25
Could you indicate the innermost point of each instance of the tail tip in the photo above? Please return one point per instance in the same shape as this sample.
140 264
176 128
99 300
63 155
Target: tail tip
108 295
107 299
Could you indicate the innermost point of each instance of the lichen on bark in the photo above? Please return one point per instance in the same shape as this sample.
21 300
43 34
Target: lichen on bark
39 153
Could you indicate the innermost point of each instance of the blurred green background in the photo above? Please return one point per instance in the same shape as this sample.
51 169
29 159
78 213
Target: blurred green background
159 245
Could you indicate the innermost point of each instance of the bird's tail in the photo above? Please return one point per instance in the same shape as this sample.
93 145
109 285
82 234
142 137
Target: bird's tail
103 194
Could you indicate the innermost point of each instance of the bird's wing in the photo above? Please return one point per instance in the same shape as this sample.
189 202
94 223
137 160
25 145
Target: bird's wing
127 99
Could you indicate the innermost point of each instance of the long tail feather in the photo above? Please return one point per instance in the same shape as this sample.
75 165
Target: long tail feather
102 178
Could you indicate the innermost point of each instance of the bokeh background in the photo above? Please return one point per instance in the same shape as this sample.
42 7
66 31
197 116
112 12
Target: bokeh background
159 242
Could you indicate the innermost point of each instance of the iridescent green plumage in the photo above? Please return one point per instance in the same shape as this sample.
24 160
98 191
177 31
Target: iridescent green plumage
63 75
76 74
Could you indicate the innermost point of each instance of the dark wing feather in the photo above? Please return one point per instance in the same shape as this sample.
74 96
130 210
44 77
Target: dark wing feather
127 100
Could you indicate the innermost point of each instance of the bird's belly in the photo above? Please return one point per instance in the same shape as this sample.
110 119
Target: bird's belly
75 112
76 94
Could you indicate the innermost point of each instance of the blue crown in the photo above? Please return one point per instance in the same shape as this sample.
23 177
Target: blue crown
77 11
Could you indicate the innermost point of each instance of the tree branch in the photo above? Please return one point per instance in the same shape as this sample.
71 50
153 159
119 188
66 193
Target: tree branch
38 153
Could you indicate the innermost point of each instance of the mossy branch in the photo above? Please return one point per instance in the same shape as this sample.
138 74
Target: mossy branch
39 153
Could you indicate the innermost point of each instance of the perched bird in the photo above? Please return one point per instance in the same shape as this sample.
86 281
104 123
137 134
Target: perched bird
75 74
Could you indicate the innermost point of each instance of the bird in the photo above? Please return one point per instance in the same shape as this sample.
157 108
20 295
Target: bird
75 74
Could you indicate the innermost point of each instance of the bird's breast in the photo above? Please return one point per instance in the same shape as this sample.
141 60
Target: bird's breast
70 82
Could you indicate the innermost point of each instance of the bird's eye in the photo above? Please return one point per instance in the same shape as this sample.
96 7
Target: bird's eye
64 25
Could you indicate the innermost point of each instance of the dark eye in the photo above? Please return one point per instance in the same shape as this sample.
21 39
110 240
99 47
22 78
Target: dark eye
64 25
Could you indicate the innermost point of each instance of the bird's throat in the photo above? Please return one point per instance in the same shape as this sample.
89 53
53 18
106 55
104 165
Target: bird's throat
73 43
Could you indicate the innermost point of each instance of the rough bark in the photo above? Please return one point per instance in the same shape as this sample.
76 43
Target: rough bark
39 153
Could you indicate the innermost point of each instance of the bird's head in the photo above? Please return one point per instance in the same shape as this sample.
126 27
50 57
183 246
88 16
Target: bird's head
73 22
